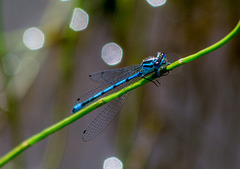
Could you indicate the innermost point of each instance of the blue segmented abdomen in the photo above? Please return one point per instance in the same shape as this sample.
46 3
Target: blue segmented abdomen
79 106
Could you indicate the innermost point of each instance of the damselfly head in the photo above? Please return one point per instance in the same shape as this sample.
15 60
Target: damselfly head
161 55
160 58
157 60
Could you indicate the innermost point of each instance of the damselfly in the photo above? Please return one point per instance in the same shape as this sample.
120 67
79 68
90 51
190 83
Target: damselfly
114 80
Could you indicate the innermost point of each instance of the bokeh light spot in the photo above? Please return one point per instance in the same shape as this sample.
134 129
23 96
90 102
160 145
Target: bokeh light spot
112 163
33 38
112 53
156 3
79 20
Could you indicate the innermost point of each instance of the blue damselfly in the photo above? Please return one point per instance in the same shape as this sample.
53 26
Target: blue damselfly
116 79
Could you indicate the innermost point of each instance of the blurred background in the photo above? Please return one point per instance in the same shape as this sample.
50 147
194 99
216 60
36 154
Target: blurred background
48 49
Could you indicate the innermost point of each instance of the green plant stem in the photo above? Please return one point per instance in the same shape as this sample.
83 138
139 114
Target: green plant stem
52 129
207 50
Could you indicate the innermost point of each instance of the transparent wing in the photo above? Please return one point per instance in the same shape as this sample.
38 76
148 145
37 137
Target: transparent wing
114 75
102 121
107 114
105 117
91 93
108 78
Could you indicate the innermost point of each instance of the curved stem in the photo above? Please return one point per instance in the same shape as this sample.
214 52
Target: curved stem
207 50
63 123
